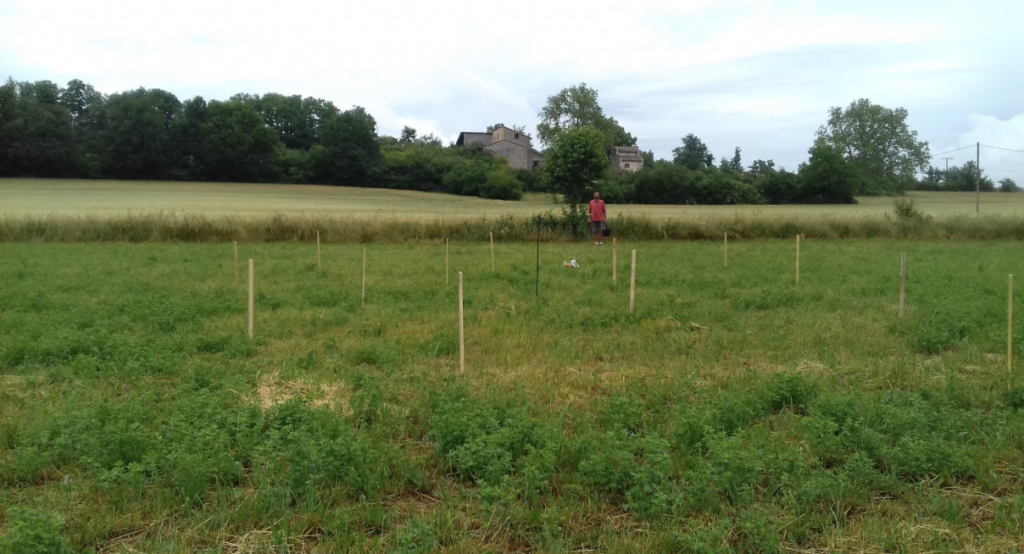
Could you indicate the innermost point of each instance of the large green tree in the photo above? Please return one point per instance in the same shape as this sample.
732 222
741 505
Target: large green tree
236 145
876 140
575 160
827 178
349 150
137 141
576 107
693 153
38 139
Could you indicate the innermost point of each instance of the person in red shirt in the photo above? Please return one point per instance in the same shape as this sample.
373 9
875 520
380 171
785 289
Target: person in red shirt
597 217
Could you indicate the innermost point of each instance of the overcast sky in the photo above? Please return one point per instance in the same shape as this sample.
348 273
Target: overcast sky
759 74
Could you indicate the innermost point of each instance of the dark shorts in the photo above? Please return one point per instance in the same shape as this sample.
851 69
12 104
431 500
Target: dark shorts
596 226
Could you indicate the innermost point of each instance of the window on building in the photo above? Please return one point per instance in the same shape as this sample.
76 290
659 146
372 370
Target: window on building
627 166
536 163
517 135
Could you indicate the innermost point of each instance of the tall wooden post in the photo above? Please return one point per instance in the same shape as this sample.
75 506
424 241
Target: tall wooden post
252 295
632 283
903 282
615 263
798 259
462 331
1009 333
725 250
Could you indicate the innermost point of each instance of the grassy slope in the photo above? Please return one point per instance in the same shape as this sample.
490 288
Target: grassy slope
803 417
104 198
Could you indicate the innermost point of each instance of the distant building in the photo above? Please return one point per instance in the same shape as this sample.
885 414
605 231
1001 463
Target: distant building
507 143
627 158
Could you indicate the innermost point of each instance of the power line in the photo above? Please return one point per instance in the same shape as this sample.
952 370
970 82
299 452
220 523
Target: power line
951 151
1000 148
1007 170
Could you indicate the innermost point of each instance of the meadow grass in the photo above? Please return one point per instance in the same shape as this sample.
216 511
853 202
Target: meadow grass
733 410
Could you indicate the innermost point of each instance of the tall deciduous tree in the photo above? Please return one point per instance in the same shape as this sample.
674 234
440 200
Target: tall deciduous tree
8 111
349 152
827 178
236 144
137 141
575 160
693 154
876 140
38 139
408 135
575 107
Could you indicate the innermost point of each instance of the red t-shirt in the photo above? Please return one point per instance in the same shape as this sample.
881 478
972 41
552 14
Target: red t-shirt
597 210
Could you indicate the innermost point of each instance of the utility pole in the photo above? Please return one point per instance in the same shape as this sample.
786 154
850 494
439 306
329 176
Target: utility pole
947 163
977 180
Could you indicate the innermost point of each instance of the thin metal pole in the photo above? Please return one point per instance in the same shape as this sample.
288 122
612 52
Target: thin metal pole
1009 333
252 296
462 331
364 278
977 180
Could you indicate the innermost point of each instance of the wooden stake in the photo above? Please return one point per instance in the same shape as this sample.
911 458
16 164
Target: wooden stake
615 263
1009 333
236 263
446 262
725 250
462 331
798 259
492 250
632 283
364 276
903 282
318 250
252 296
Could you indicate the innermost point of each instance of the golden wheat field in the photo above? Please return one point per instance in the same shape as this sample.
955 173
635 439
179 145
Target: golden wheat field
41 197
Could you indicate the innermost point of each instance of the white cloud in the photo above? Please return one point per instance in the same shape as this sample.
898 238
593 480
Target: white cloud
748 72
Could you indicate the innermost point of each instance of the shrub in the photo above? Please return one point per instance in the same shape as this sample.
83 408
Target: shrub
502 184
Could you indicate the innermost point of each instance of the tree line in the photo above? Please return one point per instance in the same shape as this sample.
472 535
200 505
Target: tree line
149 134
76 131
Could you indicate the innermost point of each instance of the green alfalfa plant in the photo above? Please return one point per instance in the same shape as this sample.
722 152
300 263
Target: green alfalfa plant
34 531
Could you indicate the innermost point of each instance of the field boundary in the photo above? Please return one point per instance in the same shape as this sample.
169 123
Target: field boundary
176 227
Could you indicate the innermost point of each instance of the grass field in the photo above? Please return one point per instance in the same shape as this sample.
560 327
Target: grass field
46 197
733 410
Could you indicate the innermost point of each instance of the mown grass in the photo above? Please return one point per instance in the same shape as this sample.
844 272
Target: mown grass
733 410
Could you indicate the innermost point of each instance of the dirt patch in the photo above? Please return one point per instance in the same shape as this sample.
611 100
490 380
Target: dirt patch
273 391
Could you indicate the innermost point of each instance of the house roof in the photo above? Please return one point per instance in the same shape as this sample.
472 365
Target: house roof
463 135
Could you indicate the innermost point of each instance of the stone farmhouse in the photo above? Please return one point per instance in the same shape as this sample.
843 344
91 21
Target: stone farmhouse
626 158
507 143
